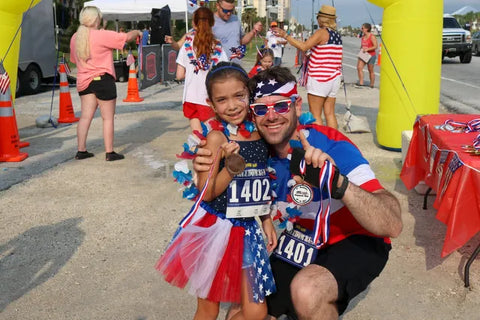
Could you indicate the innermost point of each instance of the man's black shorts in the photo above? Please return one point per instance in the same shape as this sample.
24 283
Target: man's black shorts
103 87
354 262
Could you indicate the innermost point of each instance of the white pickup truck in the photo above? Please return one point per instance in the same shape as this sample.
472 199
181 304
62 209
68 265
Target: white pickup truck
457 42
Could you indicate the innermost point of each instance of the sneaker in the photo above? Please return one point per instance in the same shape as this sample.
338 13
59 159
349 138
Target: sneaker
112 156
83 155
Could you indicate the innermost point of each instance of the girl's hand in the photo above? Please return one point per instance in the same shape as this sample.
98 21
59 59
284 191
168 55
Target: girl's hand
270 232
229 148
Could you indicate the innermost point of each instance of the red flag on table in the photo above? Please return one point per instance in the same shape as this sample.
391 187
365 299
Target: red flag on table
4 82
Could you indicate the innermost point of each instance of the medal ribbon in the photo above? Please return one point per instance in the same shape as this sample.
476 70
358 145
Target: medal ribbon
186 220
322 219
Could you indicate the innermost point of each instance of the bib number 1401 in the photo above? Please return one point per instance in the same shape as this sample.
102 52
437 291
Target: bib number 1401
295 251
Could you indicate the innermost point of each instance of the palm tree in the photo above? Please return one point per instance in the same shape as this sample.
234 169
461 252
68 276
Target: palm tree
248 17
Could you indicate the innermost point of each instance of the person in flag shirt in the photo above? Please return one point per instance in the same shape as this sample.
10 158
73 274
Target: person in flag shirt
355 244
324 69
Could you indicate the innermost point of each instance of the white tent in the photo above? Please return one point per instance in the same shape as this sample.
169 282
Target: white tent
138 10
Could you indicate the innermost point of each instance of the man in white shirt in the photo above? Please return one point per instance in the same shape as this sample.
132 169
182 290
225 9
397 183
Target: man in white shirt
275 43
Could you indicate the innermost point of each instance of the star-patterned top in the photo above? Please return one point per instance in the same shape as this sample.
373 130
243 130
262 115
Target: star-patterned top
260 272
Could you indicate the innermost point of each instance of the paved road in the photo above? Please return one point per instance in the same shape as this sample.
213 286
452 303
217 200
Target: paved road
460 83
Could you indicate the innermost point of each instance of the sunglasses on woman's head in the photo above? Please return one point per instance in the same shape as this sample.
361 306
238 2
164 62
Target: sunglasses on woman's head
280 107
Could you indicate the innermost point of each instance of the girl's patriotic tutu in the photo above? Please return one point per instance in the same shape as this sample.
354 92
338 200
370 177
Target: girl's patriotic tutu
211 254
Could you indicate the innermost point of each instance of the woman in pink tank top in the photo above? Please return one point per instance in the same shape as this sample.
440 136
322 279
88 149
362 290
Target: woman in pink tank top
369 44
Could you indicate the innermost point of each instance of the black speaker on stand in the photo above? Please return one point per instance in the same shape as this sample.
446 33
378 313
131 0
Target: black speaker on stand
160 25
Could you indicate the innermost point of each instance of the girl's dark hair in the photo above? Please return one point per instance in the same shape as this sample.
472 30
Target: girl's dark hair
222 71
264 52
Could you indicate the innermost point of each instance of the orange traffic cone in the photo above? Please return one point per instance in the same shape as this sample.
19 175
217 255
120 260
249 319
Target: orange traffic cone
132 91
21 144
379 61
9 140
296 58
66 114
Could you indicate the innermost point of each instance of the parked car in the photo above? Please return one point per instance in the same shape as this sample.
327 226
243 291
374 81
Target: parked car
457 42
476 43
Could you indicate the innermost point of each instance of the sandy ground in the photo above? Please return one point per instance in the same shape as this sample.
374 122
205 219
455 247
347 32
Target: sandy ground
79 239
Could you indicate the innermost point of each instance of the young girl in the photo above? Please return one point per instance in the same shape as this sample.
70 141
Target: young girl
264 61
199 53
219 248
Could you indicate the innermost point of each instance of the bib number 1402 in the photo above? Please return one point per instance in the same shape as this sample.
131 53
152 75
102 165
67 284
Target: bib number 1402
295 251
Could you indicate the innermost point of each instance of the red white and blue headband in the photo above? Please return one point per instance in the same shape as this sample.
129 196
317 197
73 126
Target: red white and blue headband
272 87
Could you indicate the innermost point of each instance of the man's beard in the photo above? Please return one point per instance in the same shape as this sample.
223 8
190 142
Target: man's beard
282 137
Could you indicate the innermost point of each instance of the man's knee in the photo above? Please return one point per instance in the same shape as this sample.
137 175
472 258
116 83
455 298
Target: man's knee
314 288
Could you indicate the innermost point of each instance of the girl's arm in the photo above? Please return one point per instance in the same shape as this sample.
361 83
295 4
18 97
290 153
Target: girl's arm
180 75
270 233
132 35
219 180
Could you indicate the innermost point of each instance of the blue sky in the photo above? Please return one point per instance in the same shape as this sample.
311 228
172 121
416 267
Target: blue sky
356 12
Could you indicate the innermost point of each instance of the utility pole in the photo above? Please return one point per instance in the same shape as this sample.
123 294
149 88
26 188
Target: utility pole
312 14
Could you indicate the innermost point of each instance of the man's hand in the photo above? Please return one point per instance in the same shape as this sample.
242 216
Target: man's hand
203 161
258 27
313 156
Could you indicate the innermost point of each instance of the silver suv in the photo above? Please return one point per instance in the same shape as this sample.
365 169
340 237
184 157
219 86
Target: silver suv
457 42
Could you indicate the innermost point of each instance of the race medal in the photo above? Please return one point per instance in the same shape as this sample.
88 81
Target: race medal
301 194
235 163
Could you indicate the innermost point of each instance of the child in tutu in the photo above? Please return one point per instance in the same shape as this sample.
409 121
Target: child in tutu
264 61
219 248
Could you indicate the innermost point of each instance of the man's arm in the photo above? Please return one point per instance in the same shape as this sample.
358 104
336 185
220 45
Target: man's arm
249 36
379 212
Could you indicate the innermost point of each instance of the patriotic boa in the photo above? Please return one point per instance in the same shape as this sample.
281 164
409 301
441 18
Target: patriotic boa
182 174
202 62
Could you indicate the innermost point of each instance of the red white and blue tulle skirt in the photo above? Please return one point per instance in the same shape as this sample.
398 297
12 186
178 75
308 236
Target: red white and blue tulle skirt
212 252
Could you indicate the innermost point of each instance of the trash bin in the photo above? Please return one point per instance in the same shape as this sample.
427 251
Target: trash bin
121 70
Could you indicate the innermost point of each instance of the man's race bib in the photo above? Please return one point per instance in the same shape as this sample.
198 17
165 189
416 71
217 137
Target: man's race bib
296 247
249 193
